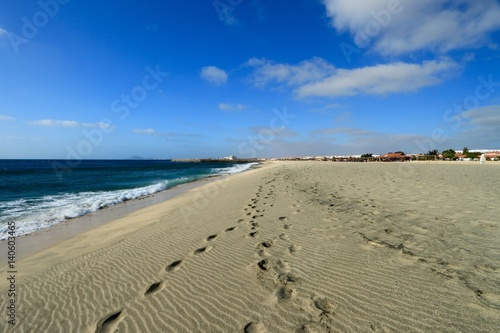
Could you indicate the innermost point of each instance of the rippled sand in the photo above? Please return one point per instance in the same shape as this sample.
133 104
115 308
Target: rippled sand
289 247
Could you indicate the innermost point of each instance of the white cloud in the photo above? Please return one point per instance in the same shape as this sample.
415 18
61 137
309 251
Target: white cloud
56 123
171 136
380 79
231 107
404 26
3 32
347 141
484 117
3 117
69 123
264 131
328 142
342 130
267 71
316 77
214 75
329 108
476 129
19 138
343 117
148 131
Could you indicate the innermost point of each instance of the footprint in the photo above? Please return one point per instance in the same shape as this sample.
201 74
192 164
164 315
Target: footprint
263 264
252 234
283 266
282 218
211 237
255 327
108 324
174 266
152 288
287 226
284 237
286 293
202 250
267 244
263 253
229 229
286 278
294 248
325 305
309 328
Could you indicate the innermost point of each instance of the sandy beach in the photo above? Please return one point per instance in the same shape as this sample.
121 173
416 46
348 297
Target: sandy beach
287 247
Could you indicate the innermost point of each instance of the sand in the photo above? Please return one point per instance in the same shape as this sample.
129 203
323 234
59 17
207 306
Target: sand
288 247
39 240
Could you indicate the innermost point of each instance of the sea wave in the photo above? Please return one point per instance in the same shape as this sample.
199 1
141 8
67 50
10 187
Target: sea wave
34 214
234 169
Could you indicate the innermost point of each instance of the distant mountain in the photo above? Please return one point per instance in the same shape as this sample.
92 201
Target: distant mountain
136 158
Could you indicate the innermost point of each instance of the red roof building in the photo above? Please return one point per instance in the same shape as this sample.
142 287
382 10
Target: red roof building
398 156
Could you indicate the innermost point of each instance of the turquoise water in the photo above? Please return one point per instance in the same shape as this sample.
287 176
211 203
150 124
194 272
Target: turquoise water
36 194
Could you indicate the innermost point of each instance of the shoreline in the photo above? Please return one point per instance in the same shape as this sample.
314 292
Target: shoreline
287 247
39 240
42 239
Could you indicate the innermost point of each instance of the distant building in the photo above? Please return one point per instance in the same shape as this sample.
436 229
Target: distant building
492 154
397 156
488 153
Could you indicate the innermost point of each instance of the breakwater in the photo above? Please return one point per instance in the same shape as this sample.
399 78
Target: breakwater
209 160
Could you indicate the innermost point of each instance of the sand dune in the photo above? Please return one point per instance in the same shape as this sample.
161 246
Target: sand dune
288 247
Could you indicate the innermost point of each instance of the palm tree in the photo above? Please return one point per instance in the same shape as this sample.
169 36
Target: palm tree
433 152
450 153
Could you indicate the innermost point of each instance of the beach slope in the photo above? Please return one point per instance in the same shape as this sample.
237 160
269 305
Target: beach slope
288 247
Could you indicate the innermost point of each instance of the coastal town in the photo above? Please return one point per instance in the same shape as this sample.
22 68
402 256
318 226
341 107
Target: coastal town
433 155
464 155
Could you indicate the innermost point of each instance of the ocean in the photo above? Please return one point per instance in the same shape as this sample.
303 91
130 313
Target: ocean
36 194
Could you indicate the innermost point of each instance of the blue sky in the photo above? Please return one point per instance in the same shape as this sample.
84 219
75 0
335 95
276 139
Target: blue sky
252 78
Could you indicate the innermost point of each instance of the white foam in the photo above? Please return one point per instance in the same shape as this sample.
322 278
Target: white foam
237 168
35 214
41 213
